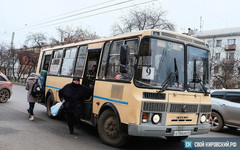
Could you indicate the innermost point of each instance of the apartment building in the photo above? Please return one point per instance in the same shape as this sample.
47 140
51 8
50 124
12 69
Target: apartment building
224 46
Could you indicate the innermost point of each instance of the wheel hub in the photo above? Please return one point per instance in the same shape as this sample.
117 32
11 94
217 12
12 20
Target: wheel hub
214 121
111 127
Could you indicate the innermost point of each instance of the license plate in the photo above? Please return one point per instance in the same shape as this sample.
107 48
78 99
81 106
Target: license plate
182 133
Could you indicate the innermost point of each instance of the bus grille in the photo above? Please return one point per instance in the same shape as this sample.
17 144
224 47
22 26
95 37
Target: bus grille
152 106
179 108
205 108
149 95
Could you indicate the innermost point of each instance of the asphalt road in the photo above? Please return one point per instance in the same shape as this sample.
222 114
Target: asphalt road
18 133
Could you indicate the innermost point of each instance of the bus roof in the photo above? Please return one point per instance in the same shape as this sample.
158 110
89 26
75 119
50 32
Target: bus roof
153 32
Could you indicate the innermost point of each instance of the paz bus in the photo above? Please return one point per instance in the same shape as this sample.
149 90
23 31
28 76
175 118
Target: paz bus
150 83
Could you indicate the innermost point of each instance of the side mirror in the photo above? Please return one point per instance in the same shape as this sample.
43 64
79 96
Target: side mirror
123 58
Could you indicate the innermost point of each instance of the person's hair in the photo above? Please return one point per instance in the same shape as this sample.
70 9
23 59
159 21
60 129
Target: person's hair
76 79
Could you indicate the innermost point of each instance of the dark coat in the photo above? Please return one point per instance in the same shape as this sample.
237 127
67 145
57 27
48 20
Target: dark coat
74 95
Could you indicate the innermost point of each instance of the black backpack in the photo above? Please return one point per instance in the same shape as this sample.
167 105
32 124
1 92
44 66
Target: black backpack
36 90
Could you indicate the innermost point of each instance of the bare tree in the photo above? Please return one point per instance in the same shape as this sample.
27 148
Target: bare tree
228 74
36 39
28 59
4 57
71 34
141 19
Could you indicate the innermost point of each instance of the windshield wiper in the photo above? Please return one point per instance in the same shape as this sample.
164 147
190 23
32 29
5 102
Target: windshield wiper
143 83
170 77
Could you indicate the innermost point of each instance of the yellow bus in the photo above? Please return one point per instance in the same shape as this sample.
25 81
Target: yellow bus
151 83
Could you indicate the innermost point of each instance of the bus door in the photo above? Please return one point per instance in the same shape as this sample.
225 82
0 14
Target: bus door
45 61
45 66
89 79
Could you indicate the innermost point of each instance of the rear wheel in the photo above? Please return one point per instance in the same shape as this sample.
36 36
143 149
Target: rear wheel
216 121
109 129
4 95
49 105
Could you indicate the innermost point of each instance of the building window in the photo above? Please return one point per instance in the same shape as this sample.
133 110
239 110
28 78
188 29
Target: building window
209 43
231 41
219 43
217 56
230 55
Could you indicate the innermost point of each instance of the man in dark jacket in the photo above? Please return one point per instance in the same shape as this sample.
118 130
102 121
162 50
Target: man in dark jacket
72 96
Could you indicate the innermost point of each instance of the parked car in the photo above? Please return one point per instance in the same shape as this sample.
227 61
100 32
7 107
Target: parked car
5 88
225 109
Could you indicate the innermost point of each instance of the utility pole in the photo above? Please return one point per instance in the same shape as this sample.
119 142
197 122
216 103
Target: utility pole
11 60
13 34
201 23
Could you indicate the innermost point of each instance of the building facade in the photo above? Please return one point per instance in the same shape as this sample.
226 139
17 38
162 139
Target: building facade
224 46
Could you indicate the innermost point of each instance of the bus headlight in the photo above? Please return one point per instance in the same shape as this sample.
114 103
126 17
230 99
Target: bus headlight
203 118
156 118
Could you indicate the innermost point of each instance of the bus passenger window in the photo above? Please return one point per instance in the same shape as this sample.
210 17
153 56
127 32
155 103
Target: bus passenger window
56 62
68 61
80 61
113 70
104 60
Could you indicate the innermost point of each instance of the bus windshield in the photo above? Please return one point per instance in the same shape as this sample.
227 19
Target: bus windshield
197 69
160 65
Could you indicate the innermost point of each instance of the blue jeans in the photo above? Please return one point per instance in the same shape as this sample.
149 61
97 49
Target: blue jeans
31 107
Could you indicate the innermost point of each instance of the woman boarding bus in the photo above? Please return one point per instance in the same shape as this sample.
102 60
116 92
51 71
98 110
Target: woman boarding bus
150 83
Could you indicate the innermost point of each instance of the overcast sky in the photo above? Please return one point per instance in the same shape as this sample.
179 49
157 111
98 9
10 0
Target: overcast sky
25 16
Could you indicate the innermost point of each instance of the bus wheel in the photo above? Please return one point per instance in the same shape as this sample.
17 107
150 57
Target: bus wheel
109 129
49 105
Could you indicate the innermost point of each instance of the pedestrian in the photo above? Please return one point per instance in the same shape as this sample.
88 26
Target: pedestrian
42 77
72 95
31 100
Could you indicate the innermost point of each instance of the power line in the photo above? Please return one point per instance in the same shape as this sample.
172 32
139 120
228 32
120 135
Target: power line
77 14
90 15
72 12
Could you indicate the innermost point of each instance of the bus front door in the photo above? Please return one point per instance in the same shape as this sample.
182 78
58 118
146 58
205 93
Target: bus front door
89 80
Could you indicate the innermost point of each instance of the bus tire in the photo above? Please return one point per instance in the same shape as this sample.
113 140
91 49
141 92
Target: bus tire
49 105
109 129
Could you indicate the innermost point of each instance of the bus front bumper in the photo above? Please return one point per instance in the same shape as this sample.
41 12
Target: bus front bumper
159 131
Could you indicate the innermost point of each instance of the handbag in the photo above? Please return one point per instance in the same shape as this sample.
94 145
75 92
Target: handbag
55 108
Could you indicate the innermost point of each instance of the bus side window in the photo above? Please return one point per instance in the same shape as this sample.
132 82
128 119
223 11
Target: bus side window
113 70
45 62
68 61
80 61
104 60
114 60
56 62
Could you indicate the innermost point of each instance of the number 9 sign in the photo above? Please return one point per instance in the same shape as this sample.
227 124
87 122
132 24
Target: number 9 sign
148 73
